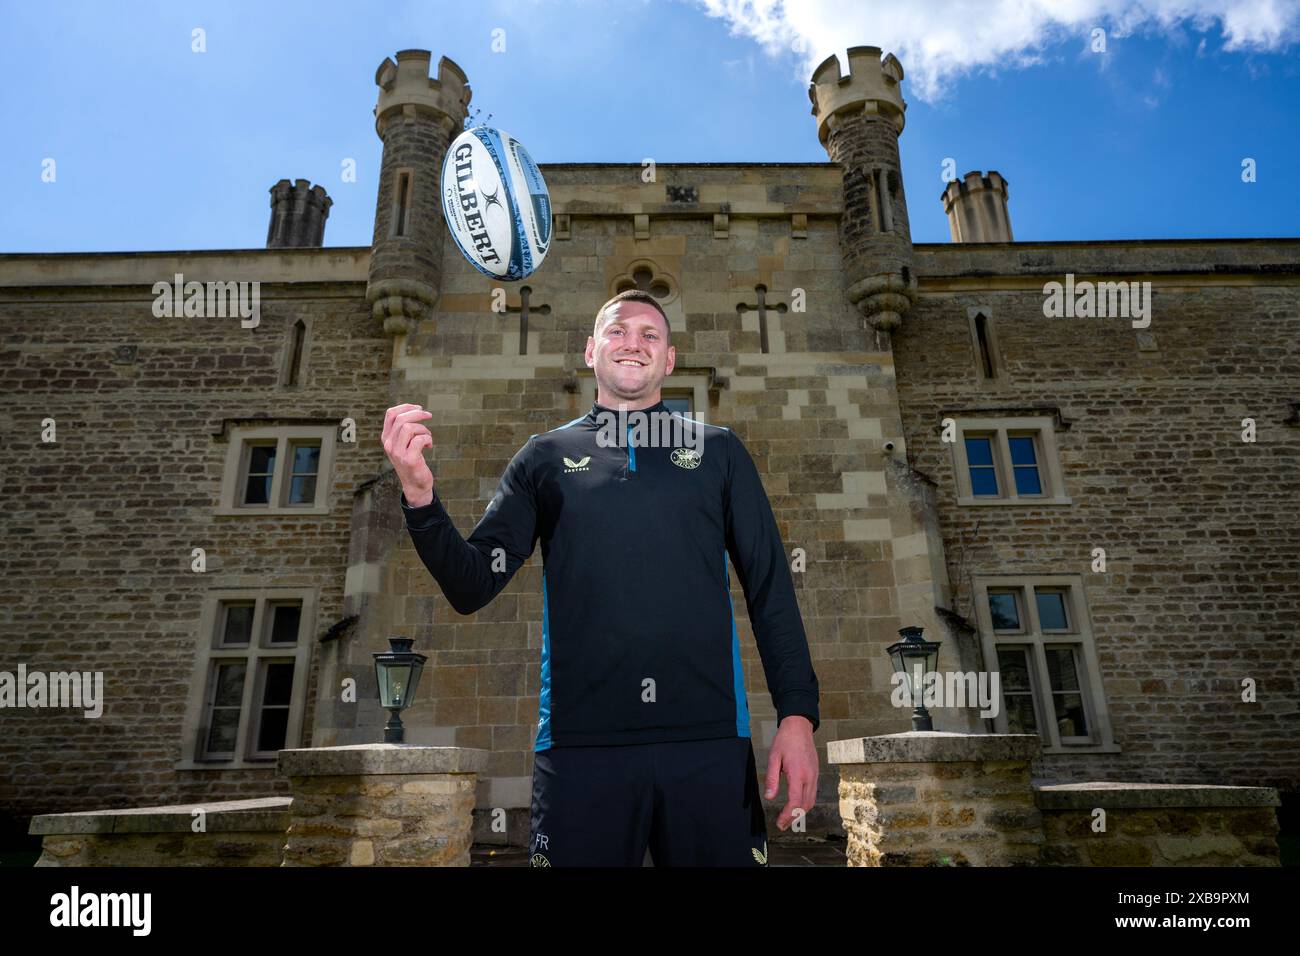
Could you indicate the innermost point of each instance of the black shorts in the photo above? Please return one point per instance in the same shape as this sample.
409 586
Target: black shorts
692 803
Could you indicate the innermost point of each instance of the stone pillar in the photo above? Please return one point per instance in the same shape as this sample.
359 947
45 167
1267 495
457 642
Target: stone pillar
417 117
977 208
927 798
380 805
859 120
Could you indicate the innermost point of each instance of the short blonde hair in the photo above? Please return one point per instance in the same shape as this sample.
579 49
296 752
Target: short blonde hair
631 295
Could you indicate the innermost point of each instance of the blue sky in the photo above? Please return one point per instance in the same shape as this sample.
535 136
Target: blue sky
158 147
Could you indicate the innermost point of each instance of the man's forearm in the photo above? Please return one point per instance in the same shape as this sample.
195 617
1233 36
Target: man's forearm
462 571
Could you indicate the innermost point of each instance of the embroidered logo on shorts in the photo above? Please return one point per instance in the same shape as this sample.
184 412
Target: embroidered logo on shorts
539 860
760 857
686 458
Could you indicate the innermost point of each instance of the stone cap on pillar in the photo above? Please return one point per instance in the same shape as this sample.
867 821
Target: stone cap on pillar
364 759
225 816
933 746
1117 795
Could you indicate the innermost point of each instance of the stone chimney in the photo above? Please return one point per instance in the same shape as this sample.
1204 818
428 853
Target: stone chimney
298 214
977 208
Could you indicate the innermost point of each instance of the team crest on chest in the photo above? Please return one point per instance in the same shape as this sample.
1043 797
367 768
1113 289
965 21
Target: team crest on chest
686 458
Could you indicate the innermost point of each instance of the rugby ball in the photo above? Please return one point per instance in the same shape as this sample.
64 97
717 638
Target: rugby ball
496 204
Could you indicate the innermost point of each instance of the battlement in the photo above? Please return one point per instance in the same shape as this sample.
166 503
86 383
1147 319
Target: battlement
301 190
408 83
976 206
873 83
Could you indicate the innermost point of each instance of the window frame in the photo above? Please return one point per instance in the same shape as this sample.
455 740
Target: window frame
1035 689
257 653
235 474
1046 453
1080 638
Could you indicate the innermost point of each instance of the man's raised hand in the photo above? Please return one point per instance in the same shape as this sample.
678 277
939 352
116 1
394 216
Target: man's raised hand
404 442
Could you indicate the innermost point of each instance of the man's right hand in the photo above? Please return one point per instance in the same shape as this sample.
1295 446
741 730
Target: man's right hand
404 442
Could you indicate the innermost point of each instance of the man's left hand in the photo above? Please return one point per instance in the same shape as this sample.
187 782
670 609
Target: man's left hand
795 755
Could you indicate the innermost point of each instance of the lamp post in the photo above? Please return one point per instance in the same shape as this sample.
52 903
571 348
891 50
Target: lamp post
397 671
914 658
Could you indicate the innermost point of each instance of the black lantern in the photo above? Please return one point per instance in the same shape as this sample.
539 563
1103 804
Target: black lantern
397 671
914 658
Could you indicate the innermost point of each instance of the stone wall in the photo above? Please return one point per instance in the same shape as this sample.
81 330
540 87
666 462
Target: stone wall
235 833
1155 825
99 527
943 799
1201 530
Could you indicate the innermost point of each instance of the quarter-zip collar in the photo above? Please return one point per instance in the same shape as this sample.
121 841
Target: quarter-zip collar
598 409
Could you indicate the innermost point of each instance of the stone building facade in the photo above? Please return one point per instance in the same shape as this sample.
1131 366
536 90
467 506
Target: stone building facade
1066 501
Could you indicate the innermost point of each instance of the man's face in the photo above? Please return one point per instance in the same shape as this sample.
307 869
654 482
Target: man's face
630 353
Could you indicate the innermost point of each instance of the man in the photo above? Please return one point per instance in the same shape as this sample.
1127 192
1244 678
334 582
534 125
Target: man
643 737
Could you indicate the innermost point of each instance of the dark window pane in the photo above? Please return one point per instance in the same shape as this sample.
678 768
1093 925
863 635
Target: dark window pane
1013 668
306 458
258 490
979 451
983 481
1005 613
230 685
279 685
1060 669
274 727
1022 450
680 404
1020 714
1071 720
239 625
261 460
1051 610
284 623
222 731
1028 481
302 491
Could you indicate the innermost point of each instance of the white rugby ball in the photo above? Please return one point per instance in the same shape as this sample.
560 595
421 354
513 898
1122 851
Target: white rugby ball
496 204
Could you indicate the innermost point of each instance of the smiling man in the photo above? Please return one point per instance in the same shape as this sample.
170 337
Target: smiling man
643 736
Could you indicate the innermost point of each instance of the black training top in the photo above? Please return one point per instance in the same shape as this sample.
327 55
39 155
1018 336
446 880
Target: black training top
639 640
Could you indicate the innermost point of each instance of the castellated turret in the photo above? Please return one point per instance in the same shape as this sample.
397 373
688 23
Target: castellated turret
298 214
977 208
859 119
417 117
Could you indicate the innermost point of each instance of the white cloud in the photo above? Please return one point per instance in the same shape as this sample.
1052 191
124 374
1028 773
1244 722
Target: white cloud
940 40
